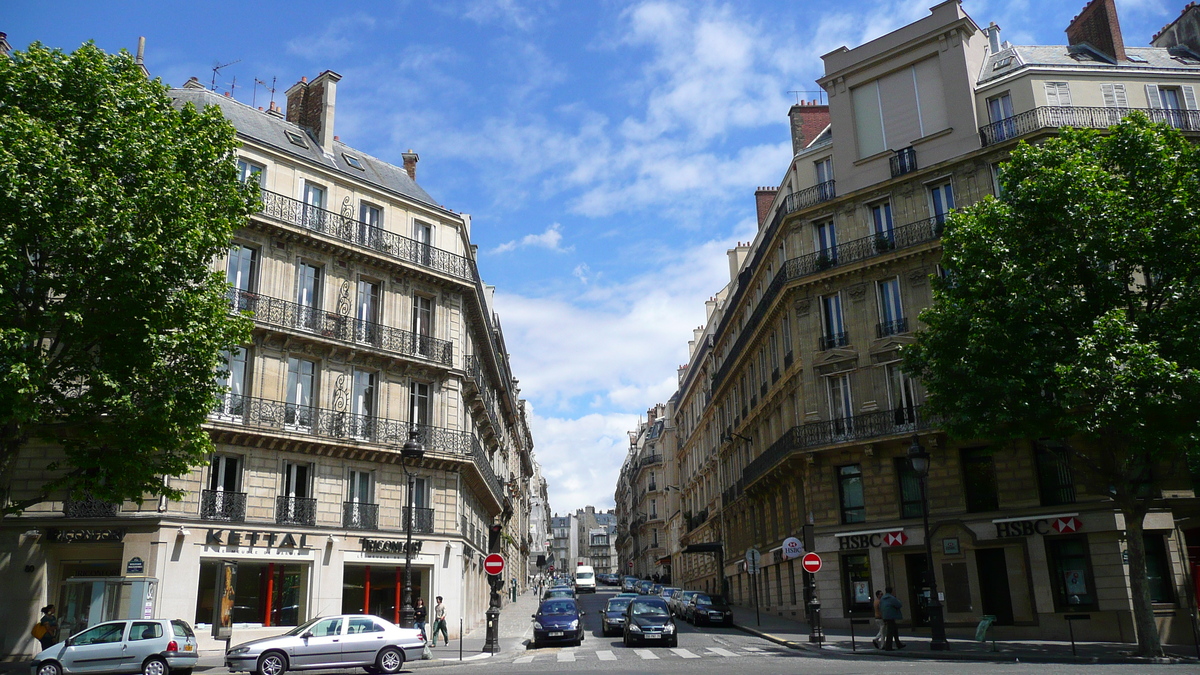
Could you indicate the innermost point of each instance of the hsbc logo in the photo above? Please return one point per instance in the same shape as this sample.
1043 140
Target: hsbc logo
853 542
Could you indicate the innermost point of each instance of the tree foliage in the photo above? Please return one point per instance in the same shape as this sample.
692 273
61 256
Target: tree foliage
113 205
1071 310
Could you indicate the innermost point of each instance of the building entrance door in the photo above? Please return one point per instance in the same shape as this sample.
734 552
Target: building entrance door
86 602
918 587
995 596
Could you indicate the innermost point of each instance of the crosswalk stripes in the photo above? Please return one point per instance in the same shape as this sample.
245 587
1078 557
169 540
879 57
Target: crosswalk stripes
577 654
753 649
721 652
566 656
646 654
679 651
525 659
606 655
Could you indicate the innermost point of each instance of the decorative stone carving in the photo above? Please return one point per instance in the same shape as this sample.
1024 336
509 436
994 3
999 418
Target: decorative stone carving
857 292
918 277
802 305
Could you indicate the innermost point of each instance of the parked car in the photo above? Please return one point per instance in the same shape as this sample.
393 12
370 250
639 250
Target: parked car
643 586
342 641
647 620
629 584
667 593
711 609
559 592
557 620
147 646
613 620
681 601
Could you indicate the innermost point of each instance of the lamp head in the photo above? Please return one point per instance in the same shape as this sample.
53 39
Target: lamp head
412 448
918 457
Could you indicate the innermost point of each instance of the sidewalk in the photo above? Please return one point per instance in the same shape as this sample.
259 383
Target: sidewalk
795 634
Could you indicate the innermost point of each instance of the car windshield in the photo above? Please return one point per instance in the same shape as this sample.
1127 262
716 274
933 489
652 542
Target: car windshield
617 604
560 607
303 628
702 599
560 593
716 600
583 575
648 609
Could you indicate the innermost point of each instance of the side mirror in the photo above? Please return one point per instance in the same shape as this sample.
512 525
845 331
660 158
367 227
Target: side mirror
533 616
582 613
70 641
307 634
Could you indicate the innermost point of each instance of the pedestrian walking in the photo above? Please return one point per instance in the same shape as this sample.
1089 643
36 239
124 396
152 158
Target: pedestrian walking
420 614
879 634
439 622
46 629
889 608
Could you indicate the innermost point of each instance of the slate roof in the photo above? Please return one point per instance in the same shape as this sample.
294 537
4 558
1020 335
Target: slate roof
268 129
1016 57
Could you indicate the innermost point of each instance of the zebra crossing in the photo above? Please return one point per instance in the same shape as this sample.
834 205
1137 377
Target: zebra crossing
574 654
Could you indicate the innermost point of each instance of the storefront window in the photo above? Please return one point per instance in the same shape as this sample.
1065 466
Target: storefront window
267 594
379 586
1158 567
856 578
1071 573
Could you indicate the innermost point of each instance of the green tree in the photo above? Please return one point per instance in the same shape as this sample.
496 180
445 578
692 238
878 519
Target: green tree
113 205
1071 311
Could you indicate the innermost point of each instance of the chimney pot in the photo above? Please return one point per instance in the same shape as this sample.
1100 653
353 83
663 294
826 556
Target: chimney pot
993 32
807 121
1097 25
410 163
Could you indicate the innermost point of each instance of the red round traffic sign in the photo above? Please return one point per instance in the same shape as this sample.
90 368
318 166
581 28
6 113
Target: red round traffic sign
811 563
493 564
629 564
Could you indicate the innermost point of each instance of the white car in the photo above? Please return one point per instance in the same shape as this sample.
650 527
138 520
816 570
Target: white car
344 641
147 646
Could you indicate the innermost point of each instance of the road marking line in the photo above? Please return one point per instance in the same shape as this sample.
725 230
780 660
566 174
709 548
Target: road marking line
685 653
753 649
566 657
606 655
645 654
524 659
721 652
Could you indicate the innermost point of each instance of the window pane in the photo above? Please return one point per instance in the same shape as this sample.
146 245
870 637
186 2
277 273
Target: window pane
979 479
851 487
909 488
1158 568
1071 574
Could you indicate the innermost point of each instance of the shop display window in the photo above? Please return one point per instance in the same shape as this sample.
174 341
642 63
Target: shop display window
856 581
267 594
1071 573
1158 567
378 590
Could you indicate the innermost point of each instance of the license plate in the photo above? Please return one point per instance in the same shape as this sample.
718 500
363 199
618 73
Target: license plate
556 633
187 648
652 636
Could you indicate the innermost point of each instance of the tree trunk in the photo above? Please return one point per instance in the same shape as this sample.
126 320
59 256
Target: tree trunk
1148 639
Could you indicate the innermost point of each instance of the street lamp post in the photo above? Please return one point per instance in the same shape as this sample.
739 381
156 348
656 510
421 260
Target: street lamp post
412 450
919 459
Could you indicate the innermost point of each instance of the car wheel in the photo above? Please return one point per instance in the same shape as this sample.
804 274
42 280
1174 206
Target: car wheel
272 663
49 668
155 665
390 660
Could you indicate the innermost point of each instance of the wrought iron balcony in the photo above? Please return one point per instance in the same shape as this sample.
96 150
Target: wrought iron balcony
295 510
89 507
284 314
489 475
422 520
831 340
1052 117
491 401
345 227
222 505
900 421
903 161
360 516
336 424
652 459
893 327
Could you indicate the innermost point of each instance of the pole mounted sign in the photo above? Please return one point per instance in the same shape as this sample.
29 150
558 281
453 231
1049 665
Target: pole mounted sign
792 548
493 564
753 558
811 563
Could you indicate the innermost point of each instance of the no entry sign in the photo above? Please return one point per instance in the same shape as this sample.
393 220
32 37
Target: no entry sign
811 563
493 564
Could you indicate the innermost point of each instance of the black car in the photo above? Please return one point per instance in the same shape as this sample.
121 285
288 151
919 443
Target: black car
647 620
614 616
558 620
711 609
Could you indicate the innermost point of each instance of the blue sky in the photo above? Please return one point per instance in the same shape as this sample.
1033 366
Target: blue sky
608 151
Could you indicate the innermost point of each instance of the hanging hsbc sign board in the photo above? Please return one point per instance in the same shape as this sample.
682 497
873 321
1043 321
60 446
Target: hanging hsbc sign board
854 541
1065 523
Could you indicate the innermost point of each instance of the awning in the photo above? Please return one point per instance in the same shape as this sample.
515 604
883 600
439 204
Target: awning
707 547
665 560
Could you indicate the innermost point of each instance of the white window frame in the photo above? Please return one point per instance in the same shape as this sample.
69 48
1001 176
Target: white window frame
891 304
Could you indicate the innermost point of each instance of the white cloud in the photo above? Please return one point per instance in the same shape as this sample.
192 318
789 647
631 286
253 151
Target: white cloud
581 457
550 239
337 40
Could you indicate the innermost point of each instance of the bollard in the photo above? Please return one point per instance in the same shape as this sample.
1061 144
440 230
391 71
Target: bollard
816 635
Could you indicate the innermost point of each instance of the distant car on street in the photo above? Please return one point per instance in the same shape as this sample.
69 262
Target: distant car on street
559 592
147 646
680 601
343 641
613 619
643 586
629 584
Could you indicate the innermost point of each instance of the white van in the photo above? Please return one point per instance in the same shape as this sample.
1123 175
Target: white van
585 579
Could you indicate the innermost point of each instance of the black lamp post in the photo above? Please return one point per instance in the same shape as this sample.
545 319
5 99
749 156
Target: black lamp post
937 626
411 450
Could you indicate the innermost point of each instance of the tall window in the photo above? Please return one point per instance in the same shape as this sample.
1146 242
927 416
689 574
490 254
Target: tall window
367 312
653 508
1116 100
909 489
423 234
1071 573
1000 109
941 197
422 318
1170 104
370 218
840 403
881 218
314 205
1058 97
308 294
1056 485
301 383
249 172
826 242
233 377
357 512
850 488
891 311
296 480
421 494
831 318
786 330
358 487
240 270
901 395
979 479
362 402
824 169
418 394
773 345
1158 567
225 474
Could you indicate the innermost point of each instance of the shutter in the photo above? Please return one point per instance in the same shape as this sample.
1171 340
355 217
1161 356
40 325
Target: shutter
1114 96
1064 93
1152 96
868 120
900 115
931 96
1189 96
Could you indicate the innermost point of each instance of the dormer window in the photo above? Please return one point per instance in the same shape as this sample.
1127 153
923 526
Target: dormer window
295 138
353 161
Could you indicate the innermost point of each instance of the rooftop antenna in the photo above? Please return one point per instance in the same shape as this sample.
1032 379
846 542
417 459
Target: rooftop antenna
264 84
216 68
233 87
819 92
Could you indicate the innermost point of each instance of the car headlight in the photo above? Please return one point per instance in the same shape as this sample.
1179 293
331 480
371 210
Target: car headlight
669 628
634 628
574 625
238 650
537 625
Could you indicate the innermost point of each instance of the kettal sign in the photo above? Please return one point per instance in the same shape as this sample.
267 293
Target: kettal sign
493 564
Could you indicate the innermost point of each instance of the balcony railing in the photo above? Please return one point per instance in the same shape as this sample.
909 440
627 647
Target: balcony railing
903 161
893 327
295 510
816 434
831 340
360 516
491 401
422 520
489 475
284 314
326 423
352 231
89 507
1050 117
222 505
652 459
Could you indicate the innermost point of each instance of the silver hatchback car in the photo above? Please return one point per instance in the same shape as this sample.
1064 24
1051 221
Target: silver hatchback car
147 646
345 641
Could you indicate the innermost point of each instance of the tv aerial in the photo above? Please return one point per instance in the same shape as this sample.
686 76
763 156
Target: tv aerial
217 66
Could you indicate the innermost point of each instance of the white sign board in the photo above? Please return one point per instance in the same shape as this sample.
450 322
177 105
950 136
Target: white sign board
792 548
753 557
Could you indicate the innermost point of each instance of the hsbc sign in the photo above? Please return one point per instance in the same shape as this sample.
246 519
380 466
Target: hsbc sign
1028 528
860 540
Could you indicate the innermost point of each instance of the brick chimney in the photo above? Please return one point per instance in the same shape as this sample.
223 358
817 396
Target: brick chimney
1184 31
310 105
808 119
1097 26
763 198
410 163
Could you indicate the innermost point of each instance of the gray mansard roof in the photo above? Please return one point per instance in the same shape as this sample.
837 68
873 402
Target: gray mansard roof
267 129
1016 57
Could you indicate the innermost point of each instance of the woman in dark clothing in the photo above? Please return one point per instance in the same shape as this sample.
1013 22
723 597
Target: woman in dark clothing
419 615
50 637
